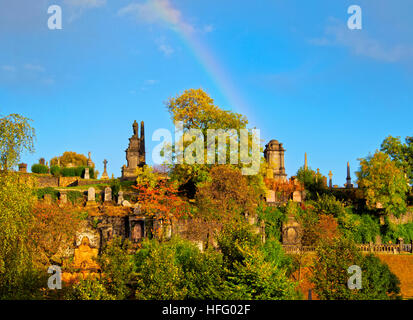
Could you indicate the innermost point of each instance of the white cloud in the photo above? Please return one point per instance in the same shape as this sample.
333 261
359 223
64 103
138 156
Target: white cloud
150 82
208 28
8 68
166 49
359 43
85 3
78 7
156 11
35 68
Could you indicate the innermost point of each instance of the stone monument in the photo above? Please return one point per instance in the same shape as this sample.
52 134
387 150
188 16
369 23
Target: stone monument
291 232
274 155
348 184
330 182
85 256
135 153
105 173
22 167
87 176
90 163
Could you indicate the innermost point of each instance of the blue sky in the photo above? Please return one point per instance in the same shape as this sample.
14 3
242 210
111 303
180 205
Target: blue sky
291 66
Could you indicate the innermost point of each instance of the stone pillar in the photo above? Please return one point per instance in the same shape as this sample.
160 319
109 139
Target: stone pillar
401 242
87 176
348 179
105 173
330 182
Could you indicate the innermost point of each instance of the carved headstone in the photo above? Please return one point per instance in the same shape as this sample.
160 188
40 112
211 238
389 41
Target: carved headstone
291 232
91 194
87 176
120 197
108 194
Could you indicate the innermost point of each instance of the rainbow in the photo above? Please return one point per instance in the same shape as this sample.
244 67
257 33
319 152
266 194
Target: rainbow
203 54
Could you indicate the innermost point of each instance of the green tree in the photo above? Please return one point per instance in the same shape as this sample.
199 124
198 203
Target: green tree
16 136
88 289
383 183
401 153
330 276
118 268
159 277
313 182
196 110
19 279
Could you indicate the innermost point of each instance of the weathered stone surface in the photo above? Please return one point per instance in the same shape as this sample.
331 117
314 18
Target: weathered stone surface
108 194
84 257
291 232
87 176
274 155
22 167
270 196
126 203
105 173
91 194
120 197
47 198
63 197
297 197
135 153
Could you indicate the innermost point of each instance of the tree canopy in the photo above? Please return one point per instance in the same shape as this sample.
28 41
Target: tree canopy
16 136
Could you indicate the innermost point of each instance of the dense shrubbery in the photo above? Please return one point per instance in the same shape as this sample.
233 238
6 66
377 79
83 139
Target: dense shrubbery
74 172
48 190
40 168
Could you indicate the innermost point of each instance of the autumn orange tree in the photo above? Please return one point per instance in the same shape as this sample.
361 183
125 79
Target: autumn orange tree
70 157
53 229
158 197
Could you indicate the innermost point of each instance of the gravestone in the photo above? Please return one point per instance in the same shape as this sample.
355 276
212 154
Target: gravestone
297 196
120 197
126 203
91 194
63 197
42 161
47 198
87 176
108 194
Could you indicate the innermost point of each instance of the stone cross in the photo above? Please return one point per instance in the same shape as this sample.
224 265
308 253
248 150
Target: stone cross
120 197
330 183
108 194
105 173
91 194
87 176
